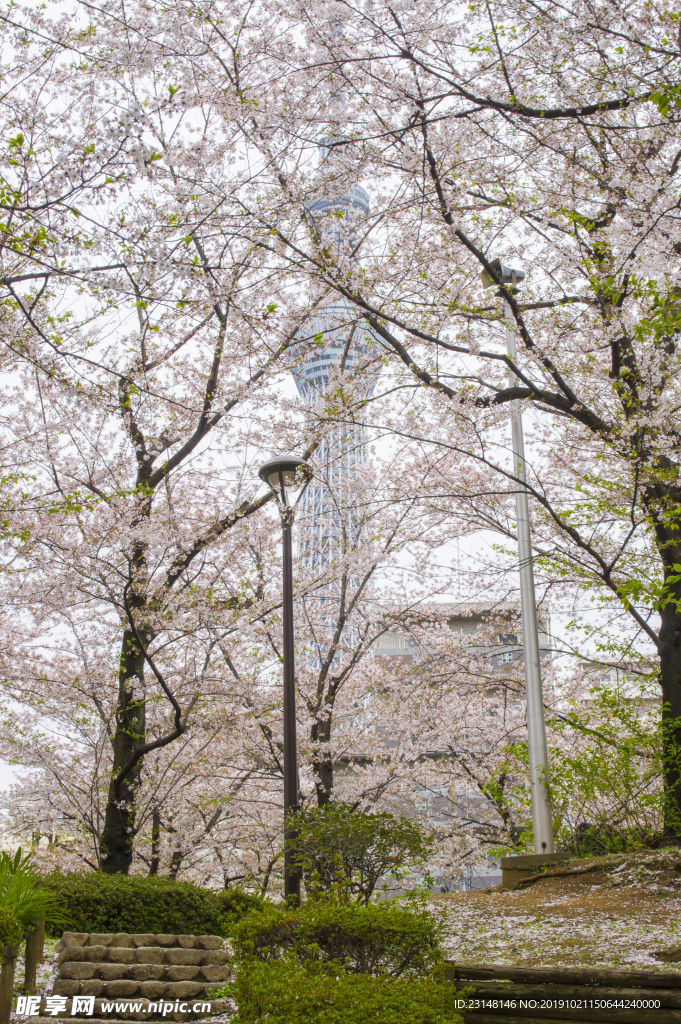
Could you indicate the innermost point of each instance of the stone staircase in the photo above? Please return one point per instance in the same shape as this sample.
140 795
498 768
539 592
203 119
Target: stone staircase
158 976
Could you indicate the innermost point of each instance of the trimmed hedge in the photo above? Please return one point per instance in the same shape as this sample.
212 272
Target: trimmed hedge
96 902
385 938
284 993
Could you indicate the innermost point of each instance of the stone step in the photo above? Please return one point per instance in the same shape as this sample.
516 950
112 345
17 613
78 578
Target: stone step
143 955
123 987
123 940
85 972
127 939
63 1019
136 1009
153 973
113 1020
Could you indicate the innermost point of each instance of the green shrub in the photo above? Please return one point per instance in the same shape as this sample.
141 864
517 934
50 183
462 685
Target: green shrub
11 929
385 938
96 902
236 903
347 852
285 993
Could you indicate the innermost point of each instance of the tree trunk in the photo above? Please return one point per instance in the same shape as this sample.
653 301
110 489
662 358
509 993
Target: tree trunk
116 845
323 767
175 863
9 961
34 951
323 781
670 679
155 842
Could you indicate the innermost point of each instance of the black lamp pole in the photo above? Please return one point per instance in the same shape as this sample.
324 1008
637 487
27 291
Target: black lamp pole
285 476
291 875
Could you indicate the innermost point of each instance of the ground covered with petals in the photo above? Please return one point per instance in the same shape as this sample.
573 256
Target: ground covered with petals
623 912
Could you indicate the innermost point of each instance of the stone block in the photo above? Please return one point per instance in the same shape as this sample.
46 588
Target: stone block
140 1014
514 869
95 954
152 989
182 973
77 970
147 972
71 953
214 973
113 972
166 940
100 939
122 955
149 955
92 988
217 957
122 939
63 987
183 989
117 989
185 956
187 941
72 939
210 941
143 939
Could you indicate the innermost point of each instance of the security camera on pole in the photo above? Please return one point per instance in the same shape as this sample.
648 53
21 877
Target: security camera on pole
542 824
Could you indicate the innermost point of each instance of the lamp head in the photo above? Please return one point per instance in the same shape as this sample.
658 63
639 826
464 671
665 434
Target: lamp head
287 476
508 275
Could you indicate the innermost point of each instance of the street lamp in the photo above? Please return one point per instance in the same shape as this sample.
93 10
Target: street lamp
542 824
288 476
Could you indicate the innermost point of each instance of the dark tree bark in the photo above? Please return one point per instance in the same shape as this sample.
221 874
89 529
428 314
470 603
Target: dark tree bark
323 767
664 508
155 842
670 680
119 820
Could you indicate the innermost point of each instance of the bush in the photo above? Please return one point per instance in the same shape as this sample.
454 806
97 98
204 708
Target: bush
385 938
97 902
284 993
236 904
346 852
11 929
25 895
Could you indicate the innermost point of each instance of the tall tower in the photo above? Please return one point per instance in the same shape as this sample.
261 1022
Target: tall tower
342 343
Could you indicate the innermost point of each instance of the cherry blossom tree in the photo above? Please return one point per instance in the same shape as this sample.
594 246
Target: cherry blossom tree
549 136
139 352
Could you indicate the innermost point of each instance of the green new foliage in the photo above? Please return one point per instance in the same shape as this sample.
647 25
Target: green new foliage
25 896
606 789
386 938
346 852
667 97
283 993
11 930
97 902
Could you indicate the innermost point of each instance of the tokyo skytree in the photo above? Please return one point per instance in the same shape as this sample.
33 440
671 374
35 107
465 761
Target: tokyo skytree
344 343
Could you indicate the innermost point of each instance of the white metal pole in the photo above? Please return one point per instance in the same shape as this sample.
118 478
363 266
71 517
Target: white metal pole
542 824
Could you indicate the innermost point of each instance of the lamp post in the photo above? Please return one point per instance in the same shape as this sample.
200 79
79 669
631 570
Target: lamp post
287 477
542 824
